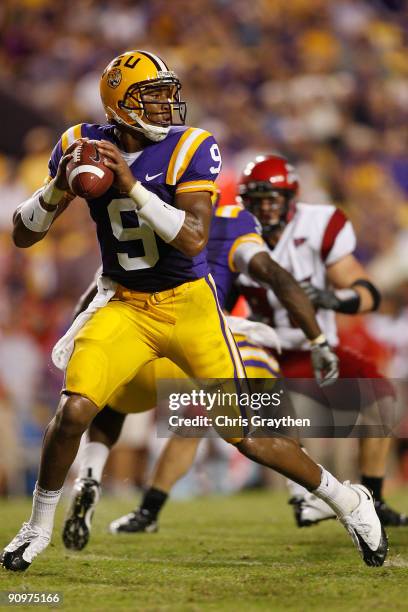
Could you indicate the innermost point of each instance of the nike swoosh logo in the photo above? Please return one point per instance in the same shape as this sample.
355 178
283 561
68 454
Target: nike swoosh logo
365 493
32 216
150 178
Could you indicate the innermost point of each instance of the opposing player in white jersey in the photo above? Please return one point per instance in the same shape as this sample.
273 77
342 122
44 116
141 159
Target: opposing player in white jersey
315 243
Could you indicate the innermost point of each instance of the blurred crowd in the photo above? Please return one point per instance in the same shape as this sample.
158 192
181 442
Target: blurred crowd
323 81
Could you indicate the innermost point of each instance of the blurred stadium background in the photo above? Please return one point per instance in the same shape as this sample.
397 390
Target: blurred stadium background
323 81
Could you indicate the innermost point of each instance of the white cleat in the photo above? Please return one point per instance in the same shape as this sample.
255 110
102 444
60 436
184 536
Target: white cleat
365 528
28 543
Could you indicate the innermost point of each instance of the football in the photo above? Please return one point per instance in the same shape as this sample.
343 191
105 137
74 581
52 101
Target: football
87 175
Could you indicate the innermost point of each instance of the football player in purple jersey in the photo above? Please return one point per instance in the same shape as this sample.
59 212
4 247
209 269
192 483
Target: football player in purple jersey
156 297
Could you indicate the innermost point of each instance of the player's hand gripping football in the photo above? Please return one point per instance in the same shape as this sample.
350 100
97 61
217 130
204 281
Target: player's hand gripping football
124 179
61 181
325 364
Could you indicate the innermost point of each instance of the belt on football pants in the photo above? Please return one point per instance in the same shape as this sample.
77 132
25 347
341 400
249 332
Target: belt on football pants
125 294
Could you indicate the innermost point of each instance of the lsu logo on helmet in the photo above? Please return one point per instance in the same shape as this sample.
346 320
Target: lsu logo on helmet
114 77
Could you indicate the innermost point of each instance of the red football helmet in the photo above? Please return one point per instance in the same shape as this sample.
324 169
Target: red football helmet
272 179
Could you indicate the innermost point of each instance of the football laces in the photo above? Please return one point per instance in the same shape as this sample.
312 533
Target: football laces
77 153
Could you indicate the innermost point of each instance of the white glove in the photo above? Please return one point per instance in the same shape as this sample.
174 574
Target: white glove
325 364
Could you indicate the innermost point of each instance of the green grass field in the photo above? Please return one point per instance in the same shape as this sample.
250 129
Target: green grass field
218 553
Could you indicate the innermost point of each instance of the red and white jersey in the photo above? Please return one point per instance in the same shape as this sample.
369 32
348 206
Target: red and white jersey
317 236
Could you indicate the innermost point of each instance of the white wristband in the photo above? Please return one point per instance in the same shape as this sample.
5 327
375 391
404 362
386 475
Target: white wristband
164 219
140 195
320 339
34 216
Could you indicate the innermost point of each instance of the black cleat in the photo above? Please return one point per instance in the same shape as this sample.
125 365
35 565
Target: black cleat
374 558
139 521
390 517
310 510
313 510
77 526
14 561
296 502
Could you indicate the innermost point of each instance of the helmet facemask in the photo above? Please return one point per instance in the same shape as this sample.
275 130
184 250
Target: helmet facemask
142 102
269 205
140 97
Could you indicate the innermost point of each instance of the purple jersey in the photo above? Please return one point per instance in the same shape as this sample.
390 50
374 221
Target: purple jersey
187 160
230 227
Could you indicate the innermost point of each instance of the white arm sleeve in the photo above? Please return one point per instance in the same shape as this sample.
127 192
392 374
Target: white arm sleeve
34 216
166 220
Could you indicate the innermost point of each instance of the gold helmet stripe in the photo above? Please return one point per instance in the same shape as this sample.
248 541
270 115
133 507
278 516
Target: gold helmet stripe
157 61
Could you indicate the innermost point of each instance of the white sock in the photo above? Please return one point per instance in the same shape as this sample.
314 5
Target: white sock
340 498
93 460
44 506
295 489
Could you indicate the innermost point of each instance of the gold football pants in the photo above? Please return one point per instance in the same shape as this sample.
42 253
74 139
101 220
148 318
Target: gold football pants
184 325
140 394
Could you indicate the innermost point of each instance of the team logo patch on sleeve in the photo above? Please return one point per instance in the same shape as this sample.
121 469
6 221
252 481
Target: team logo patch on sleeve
114 77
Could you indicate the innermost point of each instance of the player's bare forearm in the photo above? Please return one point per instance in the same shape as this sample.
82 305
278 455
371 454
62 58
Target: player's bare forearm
263 269
193 235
